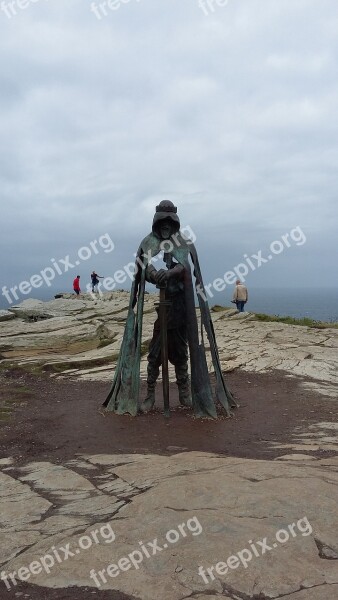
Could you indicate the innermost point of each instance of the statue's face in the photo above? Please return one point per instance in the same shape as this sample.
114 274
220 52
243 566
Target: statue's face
165 229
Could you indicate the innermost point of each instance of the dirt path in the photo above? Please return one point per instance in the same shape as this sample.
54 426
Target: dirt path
56 419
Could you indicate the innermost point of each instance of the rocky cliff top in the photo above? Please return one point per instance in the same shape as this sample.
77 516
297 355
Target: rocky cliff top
81 338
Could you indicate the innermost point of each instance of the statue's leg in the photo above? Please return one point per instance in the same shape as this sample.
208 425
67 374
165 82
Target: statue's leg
178 356
183 383
153 371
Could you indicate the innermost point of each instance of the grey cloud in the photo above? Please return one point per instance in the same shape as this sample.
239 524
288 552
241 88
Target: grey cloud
232 116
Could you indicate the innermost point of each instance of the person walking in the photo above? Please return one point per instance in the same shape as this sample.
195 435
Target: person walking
240 296
76 285
95 280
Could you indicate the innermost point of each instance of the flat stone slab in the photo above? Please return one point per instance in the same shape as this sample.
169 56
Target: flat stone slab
6 315
196 525
19 504
46 476
323 592
297 457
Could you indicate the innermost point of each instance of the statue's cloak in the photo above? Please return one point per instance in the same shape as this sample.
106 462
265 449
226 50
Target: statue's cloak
124 393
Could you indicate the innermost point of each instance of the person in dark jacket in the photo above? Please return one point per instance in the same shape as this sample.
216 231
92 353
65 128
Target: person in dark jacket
95 280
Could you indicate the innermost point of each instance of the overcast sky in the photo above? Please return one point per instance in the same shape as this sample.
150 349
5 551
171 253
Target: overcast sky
231 114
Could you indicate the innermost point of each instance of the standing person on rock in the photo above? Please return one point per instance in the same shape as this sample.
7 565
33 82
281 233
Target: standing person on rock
240 296
95 280
76 285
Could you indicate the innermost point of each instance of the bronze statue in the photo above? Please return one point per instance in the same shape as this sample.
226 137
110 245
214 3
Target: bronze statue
177 316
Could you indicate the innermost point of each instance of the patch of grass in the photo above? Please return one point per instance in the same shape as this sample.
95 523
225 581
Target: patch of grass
32 368
10 366
12 396
218 308
305 321
105 342
23 390
59 367
5 413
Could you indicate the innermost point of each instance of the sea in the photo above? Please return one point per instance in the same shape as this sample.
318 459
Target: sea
319 304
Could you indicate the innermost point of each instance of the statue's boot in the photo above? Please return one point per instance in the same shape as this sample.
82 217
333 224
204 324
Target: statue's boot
183 383
149 401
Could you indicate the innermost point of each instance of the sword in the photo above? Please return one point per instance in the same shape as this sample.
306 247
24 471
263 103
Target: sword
163 304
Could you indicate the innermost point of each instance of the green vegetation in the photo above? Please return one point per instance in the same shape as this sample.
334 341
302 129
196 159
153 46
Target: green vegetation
218 308
305 321
105 342
59 367
5 413
12 396
22 390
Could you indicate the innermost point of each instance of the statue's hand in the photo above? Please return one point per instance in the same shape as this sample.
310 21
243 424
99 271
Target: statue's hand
161 277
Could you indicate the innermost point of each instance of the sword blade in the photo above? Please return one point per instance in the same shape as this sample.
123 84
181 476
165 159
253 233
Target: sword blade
164 350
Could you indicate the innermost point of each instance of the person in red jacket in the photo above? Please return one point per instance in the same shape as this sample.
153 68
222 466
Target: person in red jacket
76 285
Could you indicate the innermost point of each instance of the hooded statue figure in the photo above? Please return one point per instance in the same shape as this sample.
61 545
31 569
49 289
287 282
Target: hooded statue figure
182 278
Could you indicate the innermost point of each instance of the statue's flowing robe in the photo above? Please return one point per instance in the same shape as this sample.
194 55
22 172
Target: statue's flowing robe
123 396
